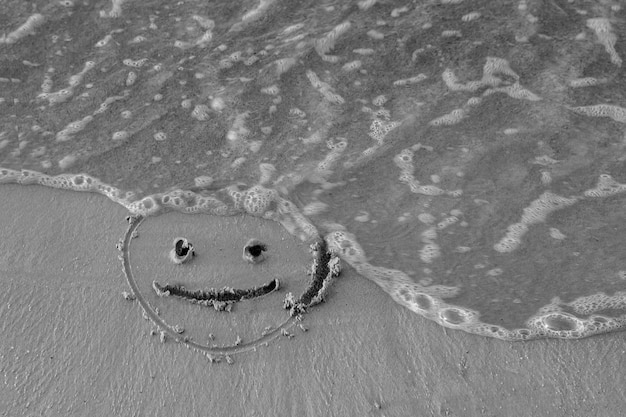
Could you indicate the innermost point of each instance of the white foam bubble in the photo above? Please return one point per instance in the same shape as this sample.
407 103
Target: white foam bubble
203 181
121 135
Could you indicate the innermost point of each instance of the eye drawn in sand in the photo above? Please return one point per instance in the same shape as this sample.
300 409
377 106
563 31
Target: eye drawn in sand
253 251
182 252
325 267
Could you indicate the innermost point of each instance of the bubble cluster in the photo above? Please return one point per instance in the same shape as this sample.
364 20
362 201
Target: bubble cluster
187 201
137 39
412 80
567 326
203 181
457 317
63 94
598 302
452 118
201 112
186 103
352 66
272 90
469 17
131 78
344 244
380 128
257 200
104 41
27 28
134 63
430 251
116 9
324 89
72 128
399 285
327 42
586 82
120 135
515 91
336 149
493 66
605 187
602 110
604 32
404 161
536 212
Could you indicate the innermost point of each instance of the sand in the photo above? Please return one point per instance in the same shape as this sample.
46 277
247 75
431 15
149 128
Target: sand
71 345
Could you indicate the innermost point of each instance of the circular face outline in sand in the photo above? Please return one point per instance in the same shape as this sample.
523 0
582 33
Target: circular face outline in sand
325 268
210 351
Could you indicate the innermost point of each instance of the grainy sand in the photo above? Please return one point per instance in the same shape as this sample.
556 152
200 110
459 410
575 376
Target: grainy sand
71 345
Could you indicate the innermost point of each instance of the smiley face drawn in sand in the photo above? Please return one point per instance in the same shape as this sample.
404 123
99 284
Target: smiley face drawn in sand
324 269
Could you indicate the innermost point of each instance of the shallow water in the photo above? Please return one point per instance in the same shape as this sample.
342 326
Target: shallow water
468 158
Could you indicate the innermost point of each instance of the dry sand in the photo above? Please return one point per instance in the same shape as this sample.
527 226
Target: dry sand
71 345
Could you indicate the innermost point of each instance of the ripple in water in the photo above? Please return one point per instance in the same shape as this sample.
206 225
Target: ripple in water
471 164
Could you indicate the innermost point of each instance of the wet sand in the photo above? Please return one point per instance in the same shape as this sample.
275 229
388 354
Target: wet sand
72 345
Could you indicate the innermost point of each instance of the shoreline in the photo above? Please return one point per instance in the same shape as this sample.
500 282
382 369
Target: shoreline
74 346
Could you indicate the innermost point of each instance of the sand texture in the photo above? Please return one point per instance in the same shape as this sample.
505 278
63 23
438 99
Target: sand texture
71 345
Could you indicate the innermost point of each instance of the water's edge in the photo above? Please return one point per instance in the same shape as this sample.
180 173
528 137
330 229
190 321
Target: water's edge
428 301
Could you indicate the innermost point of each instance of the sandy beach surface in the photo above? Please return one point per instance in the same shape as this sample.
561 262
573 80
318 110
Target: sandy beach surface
71 345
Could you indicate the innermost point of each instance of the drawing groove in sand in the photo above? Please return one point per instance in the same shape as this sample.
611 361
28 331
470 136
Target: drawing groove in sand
219 299
325 267
329 268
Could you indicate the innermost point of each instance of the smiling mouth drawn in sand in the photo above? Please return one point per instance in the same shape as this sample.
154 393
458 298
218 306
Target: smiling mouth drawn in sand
324 269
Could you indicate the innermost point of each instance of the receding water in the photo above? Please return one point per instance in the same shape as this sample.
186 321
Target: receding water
467 156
